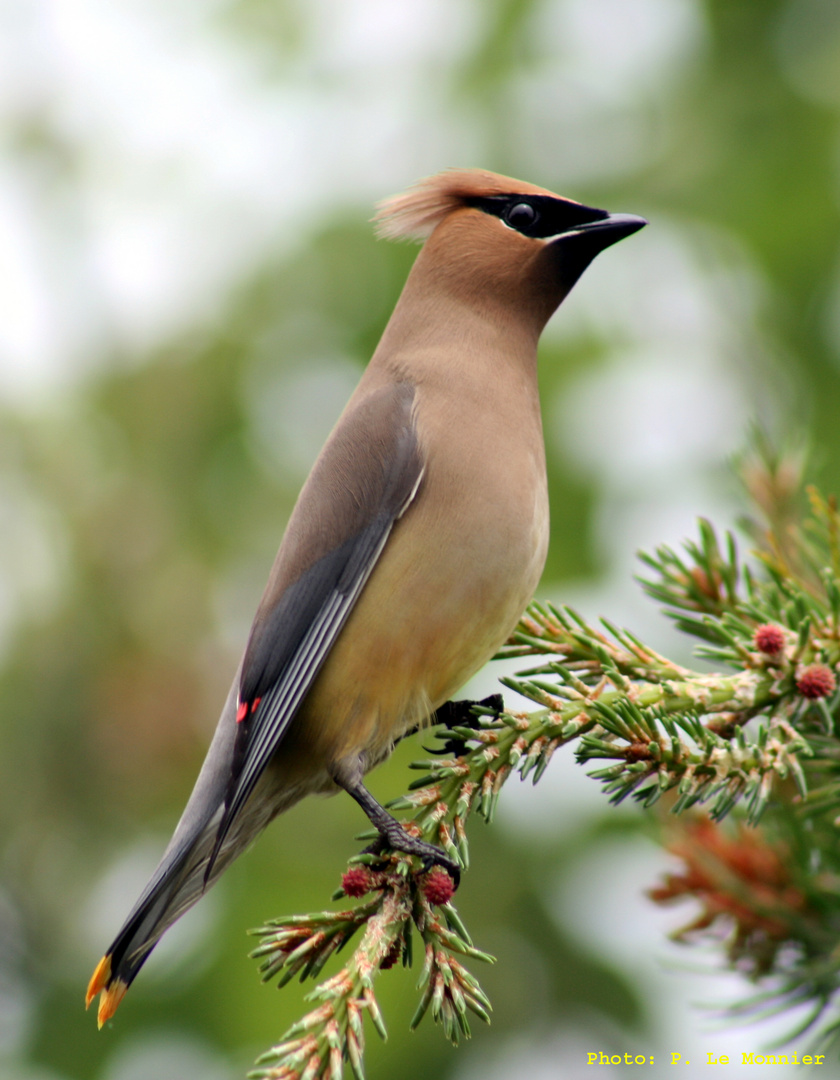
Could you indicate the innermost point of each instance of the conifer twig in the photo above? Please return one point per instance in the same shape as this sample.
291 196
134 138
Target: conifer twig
759 733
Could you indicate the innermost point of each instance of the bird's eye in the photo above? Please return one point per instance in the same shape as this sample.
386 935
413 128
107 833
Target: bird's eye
521 216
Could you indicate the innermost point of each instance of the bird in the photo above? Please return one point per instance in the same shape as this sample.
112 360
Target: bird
415 544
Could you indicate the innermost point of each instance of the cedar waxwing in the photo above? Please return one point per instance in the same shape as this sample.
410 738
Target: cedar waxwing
414 547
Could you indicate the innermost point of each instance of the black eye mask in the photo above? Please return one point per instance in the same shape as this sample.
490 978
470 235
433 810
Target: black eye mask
539 216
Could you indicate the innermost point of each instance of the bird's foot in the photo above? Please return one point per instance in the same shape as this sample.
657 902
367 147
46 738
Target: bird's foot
392 835
463 714
456 714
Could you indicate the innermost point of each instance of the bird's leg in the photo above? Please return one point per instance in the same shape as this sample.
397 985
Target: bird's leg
390 830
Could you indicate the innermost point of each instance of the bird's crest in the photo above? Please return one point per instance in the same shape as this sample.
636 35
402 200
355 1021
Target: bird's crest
414 214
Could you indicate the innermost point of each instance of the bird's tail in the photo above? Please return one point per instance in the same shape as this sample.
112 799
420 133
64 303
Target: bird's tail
175 886
179 880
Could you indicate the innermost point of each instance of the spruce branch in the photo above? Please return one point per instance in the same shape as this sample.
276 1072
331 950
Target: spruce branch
759 733
404 901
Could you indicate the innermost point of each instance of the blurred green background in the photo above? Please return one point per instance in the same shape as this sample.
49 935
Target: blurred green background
188 291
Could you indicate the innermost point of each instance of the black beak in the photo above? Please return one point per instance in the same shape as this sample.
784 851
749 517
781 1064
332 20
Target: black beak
575 248
599 234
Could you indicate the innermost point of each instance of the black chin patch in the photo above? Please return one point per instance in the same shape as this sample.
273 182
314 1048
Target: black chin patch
538 216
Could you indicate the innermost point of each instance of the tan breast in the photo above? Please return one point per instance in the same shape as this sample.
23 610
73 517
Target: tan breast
458 570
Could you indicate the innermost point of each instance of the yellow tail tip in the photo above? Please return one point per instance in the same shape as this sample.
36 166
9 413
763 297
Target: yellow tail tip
110 1000
112 991
98 980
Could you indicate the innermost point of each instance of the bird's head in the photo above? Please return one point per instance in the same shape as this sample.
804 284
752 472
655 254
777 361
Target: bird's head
500 243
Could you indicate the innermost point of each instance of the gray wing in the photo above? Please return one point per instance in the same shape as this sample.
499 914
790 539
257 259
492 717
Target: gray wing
365 478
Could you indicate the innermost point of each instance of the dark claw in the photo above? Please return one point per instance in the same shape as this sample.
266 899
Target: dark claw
430 855
448 865
460 714
375 846
393 835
